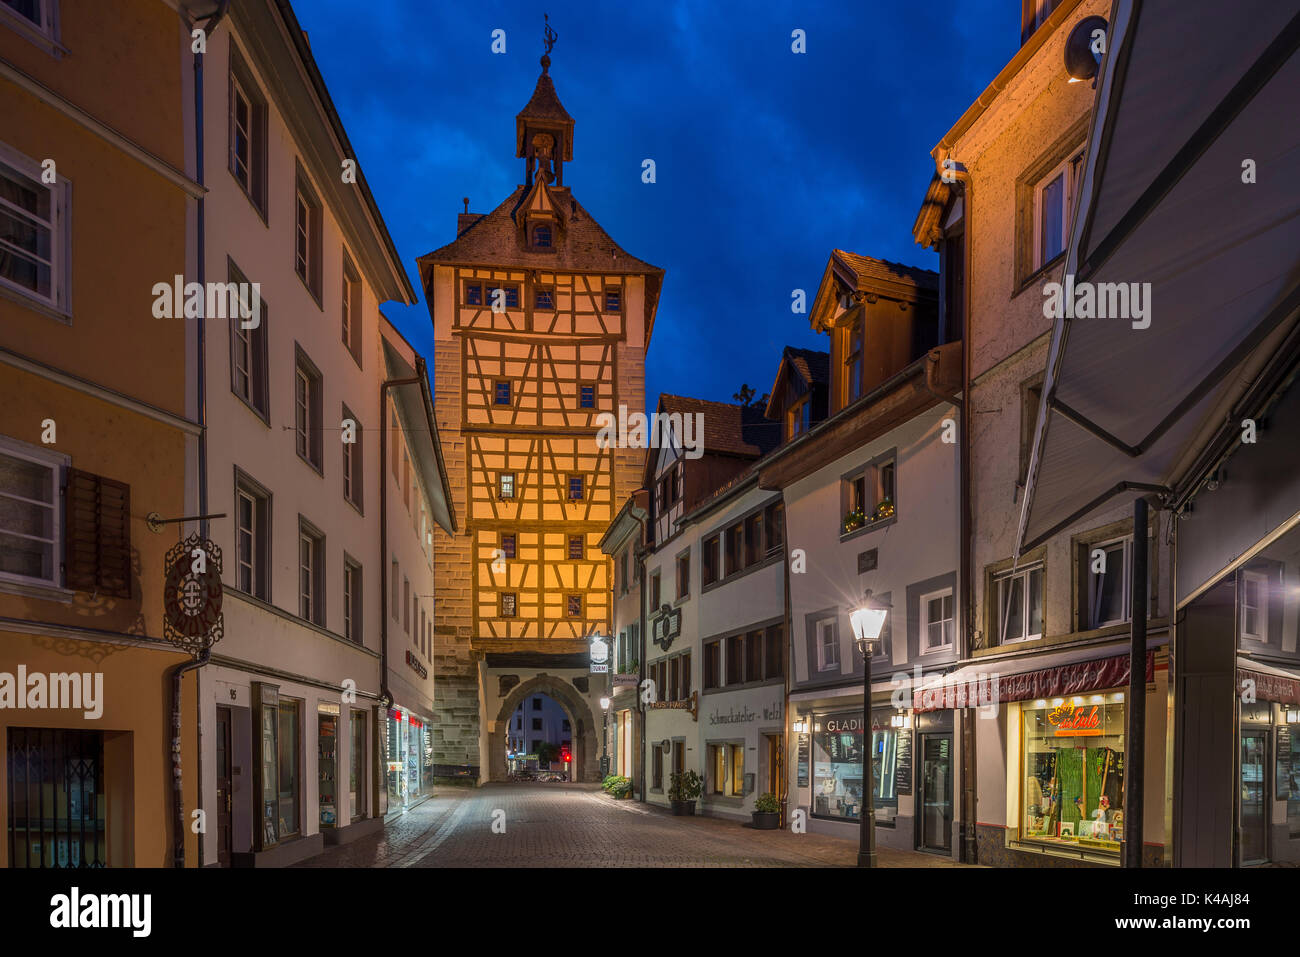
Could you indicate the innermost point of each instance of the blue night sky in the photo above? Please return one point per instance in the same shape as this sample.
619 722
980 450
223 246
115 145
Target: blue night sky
766 160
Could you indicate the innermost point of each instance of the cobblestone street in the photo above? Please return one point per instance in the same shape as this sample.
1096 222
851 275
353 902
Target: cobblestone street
558 825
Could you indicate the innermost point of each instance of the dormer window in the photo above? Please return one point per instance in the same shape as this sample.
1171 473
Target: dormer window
853 362
542 236
798 418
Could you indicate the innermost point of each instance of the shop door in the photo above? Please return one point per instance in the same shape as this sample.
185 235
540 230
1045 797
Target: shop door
1254 797
775 769
224 787
936 792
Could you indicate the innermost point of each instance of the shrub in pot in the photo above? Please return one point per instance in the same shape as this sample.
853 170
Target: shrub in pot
767 812
684 788
622 788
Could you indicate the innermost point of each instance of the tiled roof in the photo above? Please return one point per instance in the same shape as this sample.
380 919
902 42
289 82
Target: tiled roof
728 429
545 104
814 366
868 267
581 245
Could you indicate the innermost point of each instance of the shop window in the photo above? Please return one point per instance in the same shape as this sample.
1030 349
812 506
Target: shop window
57 805
936 620
837 765
828 645
1073 771
1020 604
717 769
357 767
736 752
327 742
288 764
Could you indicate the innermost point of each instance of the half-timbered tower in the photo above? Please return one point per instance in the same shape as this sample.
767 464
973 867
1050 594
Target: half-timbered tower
541 323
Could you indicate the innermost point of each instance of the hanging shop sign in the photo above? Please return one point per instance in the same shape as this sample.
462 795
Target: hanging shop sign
192 616
599 656
964 690
667 626
1268 687
691 704
416 665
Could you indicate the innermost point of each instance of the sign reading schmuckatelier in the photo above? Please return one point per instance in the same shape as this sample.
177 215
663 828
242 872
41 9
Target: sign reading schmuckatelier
745 715
192 595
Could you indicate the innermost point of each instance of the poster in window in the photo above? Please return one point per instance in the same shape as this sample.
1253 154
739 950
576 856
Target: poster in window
903 763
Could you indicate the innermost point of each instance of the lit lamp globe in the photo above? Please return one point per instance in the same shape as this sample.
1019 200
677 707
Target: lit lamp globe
867 624
604 703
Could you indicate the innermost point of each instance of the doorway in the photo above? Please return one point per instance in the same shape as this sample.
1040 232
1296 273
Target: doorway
224 787
1254 797
774 764
936 793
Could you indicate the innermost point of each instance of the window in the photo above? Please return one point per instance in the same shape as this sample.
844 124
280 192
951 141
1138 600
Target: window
737 755
717 768
1109 570
713 664
936 620
614 299
1031 397
57 798
868 495
573 605
575 487
684 686
798 418
501 392
736 660
1020 604
754 656
544 300
311 566
537 704
473 294
655 596
673 692
657 768
393 576
98 523
735 541
247 133
541 236
508 544
774 527
252 538
774 648
308 432
622 571
506 294
288 768
357 765
307 236
506 484
1072 771
31 523
248 353
586 396
753 539
509 604
1254 605
684 574
564 724
519 723
577 547
1053 207
853 362
350 309
406 605
537 724
828 645
709 560
35 238
353 469
351 599
837 754
41 14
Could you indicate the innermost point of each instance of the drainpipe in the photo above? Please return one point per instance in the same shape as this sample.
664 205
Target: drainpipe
176 672
638 557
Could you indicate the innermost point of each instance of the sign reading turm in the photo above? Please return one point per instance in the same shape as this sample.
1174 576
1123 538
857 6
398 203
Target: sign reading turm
541 323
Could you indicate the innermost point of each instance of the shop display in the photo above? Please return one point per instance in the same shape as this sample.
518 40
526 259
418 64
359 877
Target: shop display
837 766
327 763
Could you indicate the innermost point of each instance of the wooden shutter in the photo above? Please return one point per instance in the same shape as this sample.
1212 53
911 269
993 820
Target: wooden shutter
97 553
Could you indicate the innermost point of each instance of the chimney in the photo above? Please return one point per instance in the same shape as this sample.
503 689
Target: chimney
466 219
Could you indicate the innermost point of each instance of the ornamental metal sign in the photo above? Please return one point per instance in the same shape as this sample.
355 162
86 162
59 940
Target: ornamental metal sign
192 616
667 626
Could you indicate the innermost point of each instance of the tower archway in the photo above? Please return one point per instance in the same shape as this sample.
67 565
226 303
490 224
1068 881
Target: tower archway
586 733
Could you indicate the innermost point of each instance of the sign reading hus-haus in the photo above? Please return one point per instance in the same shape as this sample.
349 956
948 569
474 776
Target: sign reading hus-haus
745 715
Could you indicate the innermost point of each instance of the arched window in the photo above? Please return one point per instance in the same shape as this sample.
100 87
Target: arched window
542 236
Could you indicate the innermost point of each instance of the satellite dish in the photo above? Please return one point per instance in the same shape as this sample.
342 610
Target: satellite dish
1085 47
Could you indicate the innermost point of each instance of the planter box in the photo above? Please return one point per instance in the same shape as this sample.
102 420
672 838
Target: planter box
766 820
686 808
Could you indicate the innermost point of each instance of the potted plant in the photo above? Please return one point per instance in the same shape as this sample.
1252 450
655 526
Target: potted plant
684 788
884 509
622 788
767 812
854 519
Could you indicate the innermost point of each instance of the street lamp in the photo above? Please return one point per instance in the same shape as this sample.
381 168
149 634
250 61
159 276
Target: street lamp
868 622
604 736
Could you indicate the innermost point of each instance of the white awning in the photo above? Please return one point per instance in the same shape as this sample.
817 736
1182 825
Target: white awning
1188 92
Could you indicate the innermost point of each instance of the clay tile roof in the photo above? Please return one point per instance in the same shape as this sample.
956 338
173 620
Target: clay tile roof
728 429
583 245
814 366
545 104
868 267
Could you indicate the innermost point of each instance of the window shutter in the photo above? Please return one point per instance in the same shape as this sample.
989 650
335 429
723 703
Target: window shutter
97 552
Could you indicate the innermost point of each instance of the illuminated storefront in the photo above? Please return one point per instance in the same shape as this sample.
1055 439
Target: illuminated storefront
409 755
837 778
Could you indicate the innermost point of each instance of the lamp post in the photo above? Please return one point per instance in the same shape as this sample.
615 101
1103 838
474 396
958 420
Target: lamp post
604 736
868 622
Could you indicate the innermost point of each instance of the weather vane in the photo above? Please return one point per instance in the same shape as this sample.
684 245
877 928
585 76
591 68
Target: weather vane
550 34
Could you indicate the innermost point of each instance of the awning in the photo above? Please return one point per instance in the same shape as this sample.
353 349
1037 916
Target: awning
1269 684
974 687
1192 96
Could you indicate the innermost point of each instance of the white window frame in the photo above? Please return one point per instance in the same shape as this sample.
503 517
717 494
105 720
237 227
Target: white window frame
46 34
56 463
250 532
926 621
351 579
1006 578
822 627
59 225
1260 580
1070 168
302 231
307 596
1126 585
302 411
